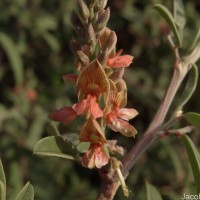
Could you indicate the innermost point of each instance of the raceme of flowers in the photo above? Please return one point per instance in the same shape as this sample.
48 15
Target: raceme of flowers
101 90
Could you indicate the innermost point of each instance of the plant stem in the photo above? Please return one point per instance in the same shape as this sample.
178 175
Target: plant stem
151 134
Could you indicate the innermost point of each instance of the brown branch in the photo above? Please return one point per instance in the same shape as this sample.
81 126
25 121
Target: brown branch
108 189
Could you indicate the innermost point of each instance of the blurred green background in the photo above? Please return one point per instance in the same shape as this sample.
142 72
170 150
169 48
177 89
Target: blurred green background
35 54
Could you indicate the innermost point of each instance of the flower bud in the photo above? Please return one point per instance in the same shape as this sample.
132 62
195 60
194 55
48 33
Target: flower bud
101 4
91 34
102 20
117 74
78 25
77 51
110 42
103 57
83 10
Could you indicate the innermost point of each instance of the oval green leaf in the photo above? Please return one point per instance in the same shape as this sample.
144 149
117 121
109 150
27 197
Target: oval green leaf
165 13
194 157
193 118
55 146
152 192
27 193
14 57
190 87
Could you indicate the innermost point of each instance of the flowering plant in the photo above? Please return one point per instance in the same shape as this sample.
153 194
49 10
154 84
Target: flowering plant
101 103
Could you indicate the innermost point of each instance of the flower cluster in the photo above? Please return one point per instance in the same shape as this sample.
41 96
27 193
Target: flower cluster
101 90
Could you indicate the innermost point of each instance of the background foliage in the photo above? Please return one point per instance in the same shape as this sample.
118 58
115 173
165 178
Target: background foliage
35 54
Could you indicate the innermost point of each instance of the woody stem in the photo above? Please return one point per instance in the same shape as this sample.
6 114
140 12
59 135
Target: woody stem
152 132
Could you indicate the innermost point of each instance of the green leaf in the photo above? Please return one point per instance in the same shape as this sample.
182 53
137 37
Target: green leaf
83 147
27 193
190 86
14 57
2 182
52 129
179 13
194 157
165 13
195 41
179 16
2 191
193 118
55 146
2 175
152 192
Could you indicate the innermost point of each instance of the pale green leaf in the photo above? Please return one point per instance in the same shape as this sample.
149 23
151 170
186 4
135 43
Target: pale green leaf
2 191
179 13
190 86
13 56
195 41
55 146
52 129
2 175
194 157
193 118
165 13
152 192
179 17
83 147
27 193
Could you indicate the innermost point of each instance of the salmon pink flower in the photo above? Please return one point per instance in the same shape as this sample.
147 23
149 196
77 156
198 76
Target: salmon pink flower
116 116
91 83
119 61
96 156
88 106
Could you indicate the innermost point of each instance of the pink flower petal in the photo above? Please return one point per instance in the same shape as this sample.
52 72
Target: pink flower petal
81 106
64 115
94 108
127 113
119 125
120 61
101 159
88 159
95 156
